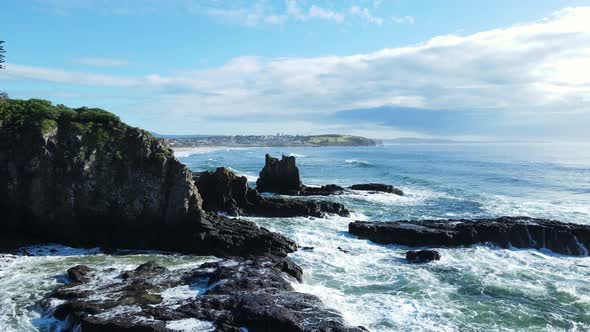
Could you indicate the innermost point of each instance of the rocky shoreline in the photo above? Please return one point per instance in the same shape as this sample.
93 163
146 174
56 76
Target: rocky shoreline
234 294
505 232
83 178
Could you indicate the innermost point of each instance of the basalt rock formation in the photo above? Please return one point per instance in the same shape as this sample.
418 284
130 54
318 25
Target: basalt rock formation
230 295
224 191
282 177
82 177
378 187
518 232
279 176
422 256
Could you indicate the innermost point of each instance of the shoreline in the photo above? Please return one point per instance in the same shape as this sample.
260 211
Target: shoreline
186 151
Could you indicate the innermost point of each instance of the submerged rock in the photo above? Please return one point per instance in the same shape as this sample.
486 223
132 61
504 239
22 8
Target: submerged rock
422 256
378 187
82 177
78 273
231 294
224 191
519 232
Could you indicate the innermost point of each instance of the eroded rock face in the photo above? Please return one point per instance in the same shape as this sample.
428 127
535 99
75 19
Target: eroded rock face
231 294
519 232
279 176
224 191
83 178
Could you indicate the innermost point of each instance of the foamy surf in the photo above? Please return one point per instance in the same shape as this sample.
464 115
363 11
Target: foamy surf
356 162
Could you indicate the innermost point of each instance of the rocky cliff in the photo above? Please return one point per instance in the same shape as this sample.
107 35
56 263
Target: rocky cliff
82 177
224 191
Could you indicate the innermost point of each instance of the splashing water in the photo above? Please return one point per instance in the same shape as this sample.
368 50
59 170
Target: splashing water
479 288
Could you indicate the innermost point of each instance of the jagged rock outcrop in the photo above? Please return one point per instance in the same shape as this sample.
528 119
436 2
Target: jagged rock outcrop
279 176
231 294
282 177
224 191
518 232
378 187
422 256
83 178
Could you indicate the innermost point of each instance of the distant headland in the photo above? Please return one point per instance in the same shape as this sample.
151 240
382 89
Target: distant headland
180 141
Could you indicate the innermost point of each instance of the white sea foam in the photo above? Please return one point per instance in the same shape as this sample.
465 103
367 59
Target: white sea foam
297 155
574 211
357 162
411 196
190 325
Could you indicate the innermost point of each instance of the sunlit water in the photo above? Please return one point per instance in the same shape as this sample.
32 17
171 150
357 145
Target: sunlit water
469 289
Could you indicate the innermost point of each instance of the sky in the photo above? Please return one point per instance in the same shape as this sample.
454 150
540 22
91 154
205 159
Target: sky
459 69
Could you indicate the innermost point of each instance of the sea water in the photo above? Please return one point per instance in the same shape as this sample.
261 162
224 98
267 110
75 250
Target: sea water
478 288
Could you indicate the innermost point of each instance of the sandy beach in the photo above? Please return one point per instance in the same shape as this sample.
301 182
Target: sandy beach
187 151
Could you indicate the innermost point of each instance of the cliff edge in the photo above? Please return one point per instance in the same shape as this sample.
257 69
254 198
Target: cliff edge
82 177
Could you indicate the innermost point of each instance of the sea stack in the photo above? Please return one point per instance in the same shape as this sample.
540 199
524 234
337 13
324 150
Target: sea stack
279 176
224 191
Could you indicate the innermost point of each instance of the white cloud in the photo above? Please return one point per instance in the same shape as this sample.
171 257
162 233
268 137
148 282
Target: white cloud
365 13
321 13
537 69
101 62
403 19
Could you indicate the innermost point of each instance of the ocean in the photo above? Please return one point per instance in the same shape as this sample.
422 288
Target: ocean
480 288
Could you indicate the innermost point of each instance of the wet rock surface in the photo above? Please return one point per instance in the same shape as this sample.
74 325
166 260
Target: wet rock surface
377 187
518 232
422 256
224 191
230 294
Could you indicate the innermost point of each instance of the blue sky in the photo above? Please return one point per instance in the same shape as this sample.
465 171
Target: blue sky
453 69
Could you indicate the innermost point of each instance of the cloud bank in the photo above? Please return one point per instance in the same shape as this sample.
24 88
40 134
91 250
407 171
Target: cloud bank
535 74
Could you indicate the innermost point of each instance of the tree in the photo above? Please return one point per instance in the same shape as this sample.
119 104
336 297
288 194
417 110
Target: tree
3 95
2 51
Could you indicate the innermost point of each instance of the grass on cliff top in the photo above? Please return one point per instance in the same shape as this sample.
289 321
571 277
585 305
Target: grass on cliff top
94 126
42 113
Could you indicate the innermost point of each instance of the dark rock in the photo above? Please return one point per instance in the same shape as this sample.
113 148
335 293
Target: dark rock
83 178
307 248
224 191
344 250
519 232
144 271
326 190
279 176
239 293
422 256
79 273
286 207
282 177
377 187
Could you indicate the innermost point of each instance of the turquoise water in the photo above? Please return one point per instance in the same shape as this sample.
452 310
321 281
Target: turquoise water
470 289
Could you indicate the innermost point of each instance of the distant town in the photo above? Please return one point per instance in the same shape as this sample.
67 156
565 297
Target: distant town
267 140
